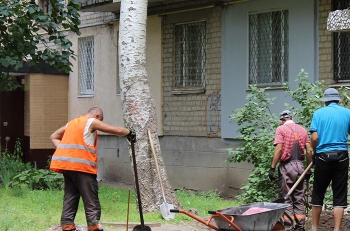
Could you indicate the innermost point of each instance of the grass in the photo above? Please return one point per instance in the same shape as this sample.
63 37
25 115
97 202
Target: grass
37 210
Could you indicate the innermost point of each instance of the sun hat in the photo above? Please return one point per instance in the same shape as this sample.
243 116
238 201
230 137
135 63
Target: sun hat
285 114
330 94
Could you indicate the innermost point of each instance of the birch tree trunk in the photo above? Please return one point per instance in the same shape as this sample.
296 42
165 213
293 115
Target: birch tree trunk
138 106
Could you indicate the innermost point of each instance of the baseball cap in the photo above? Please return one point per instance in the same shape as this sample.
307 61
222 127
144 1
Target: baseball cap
330 94
285 114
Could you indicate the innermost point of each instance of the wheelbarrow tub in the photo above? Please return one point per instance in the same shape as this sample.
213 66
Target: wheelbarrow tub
261 221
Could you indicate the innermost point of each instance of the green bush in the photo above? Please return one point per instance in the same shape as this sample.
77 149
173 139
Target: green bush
11 164
16 174
39 179
257 131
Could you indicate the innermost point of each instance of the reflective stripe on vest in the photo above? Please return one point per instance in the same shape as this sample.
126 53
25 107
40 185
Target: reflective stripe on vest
72 153
74 160
76 146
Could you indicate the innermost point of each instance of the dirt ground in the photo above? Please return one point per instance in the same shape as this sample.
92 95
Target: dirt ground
188 226
326 222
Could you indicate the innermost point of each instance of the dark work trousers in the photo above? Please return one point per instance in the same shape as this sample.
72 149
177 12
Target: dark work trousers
84 185
334 173
288 174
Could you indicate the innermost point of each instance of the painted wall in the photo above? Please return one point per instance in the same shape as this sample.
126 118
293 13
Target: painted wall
197 163
302 52
106 94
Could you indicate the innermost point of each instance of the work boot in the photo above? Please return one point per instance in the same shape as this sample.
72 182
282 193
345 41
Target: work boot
288 225
68 228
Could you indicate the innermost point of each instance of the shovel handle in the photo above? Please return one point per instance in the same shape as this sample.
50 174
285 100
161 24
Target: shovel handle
137 183
156 162
298 181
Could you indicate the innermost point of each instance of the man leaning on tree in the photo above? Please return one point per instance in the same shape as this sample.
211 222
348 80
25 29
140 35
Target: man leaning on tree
76 158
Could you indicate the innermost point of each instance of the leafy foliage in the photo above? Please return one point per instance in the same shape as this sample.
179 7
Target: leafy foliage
11 164
16 174
36 37
38 179
257 131
258 125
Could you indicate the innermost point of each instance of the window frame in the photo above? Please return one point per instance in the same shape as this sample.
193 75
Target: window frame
84 75
341 48
277 39
181 74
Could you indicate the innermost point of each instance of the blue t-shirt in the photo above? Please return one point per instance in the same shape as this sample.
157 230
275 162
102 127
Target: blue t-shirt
332 124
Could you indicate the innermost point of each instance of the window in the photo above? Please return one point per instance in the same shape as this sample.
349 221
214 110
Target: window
86 66
268 48
341 48
190 55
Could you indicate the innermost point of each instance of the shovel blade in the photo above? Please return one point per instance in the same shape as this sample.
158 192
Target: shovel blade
165 210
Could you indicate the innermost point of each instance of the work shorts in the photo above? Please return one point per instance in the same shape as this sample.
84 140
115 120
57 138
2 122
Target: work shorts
329 168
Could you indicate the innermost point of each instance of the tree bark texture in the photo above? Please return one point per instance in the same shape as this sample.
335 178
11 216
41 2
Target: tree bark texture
138 106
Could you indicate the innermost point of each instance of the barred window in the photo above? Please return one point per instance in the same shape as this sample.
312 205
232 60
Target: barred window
268 48
86 66
341 48
190 55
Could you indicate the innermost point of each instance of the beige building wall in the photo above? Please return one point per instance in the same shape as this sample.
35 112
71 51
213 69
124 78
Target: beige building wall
106 94
325 43
46 107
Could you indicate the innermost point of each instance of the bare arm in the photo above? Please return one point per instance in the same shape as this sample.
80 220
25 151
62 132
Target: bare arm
314 140
56 137
276 155
308 153
103 127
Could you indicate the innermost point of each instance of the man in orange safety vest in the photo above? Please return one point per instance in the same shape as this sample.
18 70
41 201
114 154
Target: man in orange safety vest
76 158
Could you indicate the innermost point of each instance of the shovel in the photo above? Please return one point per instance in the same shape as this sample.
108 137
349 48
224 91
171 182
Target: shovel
141 227
165 207
283 199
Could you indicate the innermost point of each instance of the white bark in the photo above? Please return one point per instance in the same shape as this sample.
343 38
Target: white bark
138 106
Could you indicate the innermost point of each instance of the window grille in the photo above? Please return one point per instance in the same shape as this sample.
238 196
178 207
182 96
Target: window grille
268 48
86 66
190 55
341 48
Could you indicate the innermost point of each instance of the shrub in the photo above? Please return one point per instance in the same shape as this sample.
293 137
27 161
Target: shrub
39 179
14 173
257 127
11 164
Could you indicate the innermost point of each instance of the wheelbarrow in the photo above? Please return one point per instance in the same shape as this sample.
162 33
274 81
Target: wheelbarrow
259 216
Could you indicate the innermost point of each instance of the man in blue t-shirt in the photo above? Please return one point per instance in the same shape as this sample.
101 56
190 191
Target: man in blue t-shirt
329 129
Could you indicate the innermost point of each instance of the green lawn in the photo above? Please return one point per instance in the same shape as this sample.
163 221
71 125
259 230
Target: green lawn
37 210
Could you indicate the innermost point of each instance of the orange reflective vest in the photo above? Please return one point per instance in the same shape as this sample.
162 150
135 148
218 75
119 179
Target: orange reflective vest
73 153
